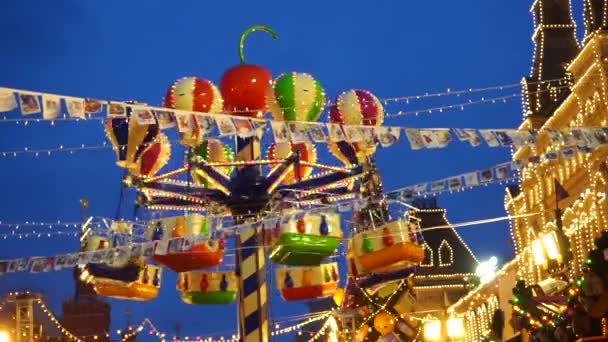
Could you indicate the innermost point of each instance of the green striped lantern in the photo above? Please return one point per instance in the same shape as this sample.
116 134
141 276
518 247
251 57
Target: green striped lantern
213 151
295 97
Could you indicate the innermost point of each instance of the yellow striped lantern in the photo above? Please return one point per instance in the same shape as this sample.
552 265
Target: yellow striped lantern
390 247
213 151
306 241
310 282
154 157
203 253
129 138
307 151
207 287
197 95
356 107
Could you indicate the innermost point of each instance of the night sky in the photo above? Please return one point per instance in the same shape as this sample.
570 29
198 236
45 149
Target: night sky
122 50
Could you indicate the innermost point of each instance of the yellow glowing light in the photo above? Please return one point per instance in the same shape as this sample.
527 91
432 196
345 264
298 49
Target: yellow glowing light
550 243
4 336
432 331
455 327
537 251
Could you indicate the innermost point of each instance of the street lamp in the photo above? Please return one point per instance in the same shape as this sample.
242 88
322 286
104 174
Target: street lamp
455 327
4 336
432 330
485 270
546 248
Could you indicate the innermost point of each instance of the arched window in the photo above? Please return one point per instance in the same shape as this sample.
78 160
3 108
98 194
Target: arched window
428 256
446 254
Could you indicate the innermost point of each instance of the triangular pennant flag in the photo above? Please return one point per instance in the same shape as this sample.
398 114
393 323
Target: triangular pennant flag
560 192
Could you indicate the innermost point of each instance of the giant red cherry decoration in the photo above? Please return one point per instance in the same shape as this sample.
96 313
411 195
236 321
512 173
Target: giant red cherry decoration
244 86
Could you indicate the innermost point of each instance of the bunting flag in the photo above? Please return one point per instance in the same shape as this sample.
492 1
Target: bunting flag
75 107
29 104
7 101
49 107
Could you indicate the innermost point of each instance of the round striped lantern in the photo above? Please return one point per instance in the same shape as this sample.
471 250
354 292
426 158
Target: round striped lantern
356 107
193 94
295 97
213 151
308 153
154 157
129 138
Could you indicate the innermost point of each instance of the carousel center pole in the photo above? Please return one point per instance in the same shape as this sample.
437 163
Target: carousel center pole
250 258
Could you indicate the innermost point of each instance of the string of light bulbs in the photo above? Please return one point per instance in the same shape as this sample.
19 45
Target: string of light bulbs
346 240
55 321
447 92
233 114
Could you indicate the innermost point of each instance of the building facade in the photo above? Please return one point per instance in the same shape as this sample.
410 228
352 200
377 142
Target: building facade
448 267
583 176
566 89
86 316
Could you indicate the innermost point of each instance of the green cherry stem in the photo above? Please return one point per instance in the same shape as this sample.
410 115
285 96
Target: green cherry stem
248 31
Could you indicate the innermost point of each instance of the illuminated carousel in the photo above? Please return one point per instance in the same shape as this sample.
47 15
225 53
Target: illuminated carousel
267 196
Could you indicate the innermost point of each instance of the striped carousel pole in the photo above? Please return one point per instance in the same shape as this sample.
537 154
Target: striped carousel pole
251 262
253 289
243 89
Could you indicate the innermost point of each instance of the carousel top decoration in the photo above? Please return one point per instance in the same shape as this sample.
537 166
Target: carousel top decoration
223 180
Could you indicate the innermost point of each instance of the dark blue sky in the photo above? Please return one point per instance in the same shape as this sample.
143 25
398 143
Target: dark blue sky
134 49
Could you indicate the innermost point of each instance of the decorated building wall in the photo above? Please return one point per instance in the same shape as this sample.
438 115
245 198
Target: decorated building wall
442 278
566 89
583 176
485 310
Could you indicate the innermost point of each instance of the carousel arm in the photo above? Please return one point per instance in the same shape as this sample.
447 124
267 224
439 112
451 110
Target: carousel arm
218 179
325 180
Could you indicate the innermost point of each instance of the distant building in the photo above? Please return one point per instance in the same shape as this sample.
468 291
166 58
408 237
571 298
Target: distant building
86 316
448 264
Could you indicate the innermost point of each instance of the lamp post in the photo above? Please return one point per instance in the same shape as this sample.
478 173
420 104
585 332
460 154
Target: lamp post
4 336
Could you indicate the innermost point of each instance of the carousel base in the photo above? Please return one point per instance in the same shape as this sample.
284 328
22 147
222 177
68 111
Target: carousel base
189 261
309 292
302 249
381 259
132 291
211 297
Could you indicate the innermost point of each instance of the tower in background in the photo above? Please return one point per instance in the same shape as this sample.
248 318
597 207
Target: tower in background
555 46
